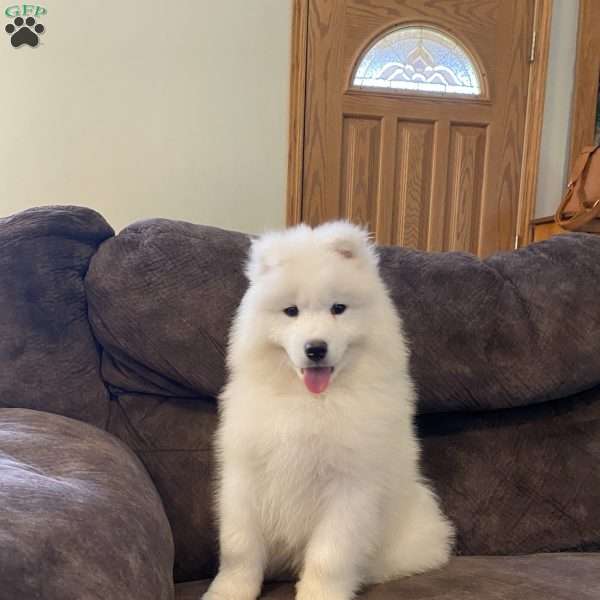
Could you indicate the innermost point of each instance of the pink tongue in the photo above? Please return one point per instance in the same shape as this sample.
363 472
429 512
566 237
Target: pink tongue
316 379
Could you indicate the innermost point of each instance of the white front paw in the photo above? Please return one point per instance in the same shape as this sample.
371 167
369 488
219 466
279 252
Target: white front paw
316 589
232 587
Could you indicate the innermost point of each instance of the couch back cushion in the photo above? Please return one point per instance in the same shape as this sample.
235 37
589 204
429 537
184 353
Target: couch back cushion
50 360
161 297
520 480
518 328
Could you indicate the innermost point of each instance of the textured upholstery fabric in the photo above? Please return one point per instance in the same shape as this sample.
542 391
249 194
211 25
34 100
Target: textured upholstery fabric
484 334
161 298
520 480
48 356
517 328
536 577
173 438
80 518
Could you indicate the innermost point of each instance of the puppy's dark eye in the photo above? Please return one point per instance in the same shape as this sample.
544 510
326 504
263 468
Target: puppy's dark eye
338 309
291 311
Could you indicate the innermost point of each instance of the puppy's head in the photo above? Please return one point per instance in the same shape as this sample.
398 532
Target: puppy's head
312 300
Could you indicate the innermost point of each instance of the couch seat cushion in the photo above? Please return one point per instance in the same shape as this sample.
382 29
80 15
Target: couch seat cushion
563 576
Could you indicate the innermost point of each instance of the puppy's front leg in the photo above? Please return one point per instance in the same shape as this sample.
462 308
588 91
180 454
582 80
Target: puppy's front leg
242 548
341 545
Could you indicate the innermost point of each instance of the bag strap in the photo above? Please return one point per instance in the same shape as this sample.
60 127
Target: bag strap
585 216
582 162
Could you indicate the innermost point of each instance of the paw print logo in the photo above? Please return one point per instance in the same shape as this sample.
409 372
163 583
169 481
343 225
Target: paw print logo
24 32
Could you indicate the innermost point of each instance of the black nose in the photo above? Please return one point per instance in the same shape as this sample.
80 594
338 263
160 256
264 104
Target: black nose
316 350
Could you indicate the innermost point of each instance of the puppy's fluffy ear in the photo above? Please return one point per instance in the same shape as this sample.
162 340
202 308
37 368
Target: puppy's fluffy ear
349 241
259 256
270 250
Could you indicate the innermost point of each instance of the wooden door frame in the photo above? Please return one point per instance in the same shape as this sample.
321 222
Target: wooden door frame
297 111
533 120
585 85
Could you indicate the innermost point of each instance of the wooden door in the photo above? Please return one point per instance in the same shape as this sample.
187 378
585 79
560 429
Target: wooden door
426 169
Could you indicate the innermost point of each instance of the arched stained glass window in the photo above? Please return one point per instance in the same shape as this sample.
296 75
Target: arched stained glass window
419 59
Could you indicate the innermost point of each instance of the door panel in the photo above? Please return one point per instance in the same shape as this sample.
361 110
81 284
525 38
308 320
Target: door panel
360 168
466 161
431 172
412 196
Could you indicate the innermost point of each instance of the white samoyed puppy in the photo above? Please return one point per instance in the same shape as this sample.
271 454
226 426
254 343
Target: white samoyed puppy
318 460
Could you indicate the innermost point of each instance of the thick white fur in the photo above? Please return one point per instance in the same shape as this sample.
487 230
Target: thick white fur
327 486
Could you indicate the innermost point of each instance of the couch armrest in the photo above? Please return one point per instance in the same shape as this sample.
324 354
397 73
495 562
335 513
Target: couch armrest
48 356
79 517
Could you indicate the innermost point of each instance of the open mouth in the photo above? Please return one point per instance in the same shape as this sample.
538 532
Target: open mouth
316 379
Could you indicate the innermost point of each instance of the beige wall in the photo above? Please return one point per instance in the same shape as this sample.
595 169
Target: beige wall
150 108
554 152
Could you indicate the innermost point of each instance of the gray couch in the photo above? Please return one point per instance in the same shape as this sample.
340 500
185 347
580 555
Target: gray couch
112 352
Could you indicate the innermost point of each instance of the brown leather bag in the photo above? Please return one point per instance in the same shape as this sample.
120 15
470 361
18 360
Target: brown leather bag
580 208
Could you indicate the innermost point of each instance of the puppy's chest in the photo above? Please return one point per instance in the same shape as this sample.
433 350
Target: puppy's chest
296 456
293 474
296 464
